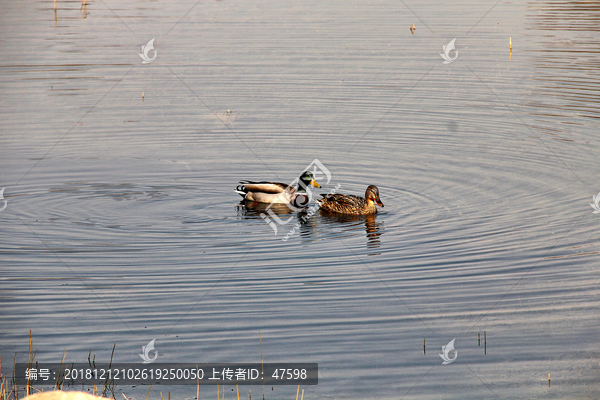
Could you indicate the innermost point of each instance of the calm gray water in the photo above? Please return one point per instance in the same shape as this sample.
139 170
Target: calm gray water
122 224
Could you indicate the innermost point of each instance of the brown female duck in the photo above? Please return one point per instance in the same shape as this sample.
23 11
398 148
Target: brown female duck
350 204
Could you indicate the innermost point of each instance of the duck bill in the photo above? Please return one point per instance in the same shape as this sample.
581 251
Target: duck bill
378 201
314 183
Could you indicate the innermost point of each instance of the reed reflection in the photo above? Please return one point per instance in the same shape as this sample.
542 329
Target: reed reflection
83 10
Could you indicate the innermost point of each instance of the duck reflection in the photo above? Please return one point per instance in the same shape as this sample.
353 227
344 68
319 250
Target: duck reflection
372 227
254 209
279 217
308 222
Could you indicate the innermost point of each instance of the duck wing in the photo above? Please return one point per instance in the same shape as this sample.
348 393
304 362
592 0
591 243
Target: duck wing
341 203
264 187
272 198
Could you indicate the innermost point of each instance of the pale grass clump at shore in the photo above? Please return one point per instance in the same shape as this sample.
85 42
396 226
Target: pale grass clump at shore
10 390
61 395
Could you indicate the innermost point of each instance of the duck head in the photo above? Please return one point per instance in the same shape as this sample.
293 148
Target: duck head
372 195
305 180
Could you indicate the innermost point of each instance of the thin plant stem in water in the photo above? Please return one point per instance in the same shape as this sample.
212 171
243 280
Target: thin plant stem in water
197 385
262 364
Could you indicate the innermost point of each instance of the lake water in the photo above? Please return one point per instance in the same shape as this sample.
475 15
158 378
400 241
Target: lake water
122 225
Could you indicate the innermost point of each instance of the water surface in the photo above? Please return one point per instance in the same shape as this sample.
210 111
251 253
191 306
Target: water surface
122 224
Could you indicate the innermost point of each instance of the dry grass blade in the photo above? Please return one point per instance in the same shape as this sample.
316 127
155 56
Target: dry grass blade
197 385
58 383
109 367
262 365
28 365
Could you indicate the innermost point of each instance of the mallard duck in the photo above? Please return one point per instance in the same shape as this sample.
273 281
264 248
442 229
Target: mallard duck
350 204
278 193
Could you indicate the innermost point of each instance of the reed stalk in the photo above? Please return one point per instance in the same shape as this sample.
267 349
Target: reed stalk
28 365
197 385
262 365
109 367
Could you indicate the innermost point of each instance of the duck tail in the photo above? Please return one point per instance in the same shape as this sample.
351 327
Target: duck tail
321 201
241 190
